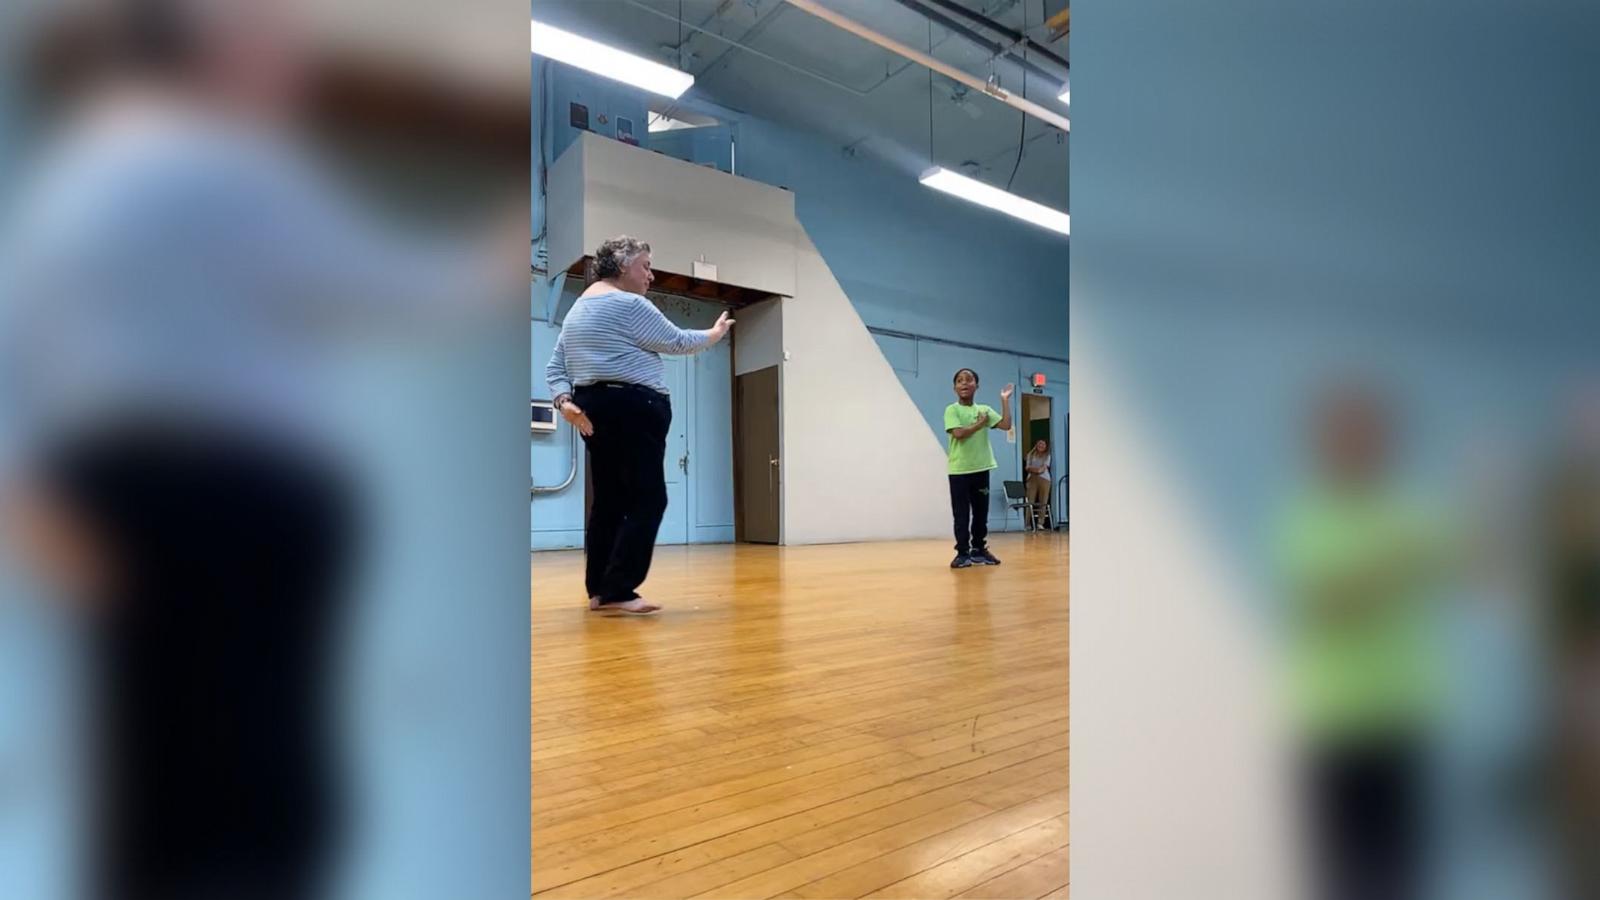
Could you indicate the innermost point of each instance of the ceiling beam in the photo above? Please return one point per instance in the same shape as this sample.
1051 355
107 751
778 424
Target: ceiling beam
949 71
996 50
1015 36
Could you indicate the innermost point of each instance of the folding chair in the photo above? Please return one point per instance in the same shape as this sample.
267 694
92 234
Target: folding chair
1017 501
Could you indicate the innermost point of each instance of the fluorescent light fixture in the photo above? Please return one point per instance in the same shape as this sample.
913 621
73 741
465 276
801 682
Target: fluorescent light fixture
1066 96
942 179
609 62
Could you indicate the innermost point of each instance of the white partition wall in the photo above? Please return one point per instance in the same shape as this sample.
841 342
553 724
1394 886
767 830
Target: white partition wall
858 462
601 188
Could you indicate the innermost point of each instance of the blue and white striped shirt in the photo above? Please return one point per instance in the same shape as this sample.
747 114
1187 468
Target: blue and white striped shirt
617 337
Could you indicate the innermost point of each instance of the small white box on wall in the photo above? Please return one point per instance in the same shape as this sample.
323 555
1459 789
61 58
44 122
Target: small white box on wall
544 416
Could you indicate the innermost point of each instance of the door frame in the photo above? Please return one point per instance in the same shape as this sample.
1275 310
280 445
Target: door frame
692 409
1025 445
739 524
738 451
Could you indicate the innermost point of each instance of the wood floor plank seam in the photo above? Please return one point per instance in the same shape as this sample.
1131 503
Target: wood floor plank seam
845 744
720 836
950 764
764 684
833 863
991 889
912 886
754 836
880 789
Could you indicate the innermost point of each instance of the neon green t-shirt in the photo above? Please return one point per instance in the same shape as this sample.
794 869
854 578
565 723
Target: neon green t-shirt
1363 655
973 453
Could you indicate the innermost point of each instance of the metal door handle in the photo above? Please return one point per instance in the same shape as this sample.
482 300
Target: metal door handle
683 463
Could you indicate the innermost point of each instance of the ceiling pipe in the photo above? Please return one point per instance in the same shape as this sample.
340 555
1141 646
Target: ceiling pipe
967 78
799 70
755 31
535 490
740 45
1016 37
995 49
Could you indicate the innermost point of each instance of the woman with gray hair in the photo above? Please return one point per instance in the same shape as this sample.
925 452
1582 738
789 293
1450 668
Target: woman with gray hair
608 381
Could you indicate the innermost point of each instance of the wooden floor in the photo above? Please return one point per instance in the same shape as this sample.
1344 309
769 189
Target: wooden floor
840 721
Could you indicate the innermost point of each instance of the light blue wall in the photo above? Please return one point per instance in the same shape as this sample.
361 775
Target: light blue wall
927 368
603 98
13 127
557 519
961 273
958 271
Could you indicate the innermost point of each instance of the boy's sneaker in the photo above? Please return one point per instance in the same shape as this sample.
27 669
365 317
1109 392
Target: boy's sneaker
984 558
961 561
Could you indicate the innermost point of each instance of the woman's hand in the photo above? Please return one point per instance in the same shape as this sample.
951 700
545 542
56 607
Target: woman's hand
57 541
577 418
1006 392
720 330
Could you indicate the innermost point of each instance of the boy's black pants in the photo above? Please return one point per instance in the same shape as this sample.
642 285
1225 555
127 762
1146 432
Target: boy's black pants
969 503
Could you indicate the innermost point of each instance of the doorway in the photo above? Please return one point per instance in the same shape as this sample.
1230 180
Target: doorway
758 470
1035 427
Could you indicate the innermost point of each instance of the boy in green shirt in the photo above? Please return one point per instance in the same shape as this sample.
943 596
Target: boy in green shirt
971 458
1361 564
